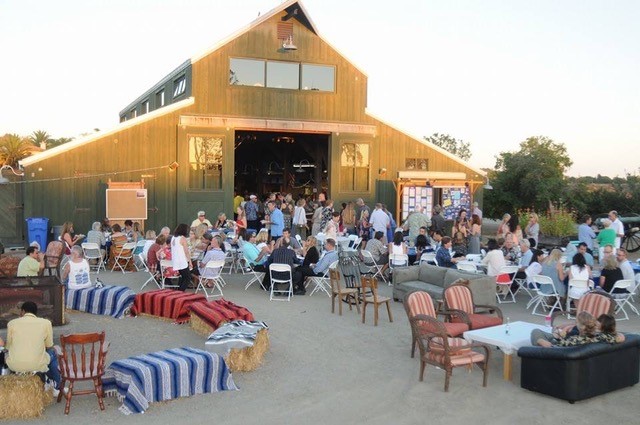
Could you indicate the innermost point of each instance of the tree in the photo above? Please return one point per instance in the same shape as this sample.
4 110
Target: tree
60 141
452 145
529 178
13 148
39 137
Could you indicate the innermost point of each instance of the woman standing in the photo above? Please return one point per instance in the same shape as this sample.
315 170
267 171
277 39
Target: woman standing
364 228
461 224
349 219
65 237
533 228
327 213
241 219
474 236
515 229
180 255
503 227
316 220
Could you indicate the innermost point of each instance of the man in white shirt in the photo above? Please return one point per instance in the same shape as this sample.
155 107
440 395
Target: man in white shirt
624 264
476 210
202 219
379 221
616 225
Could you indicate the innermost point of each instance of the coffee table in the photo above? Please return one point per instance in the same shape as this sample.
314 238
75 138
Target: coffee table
519 336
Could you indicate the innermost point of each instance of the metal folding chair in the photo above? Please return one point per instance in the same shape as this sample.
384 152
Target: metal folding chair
164 265
544 290
374 269
278 270
145 268
322 282
211 274
125 254
92 251
505 284
624 298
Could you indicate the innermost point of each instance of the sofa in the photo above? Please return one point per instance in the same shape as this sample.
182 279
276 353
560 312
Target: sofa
585 371
433 280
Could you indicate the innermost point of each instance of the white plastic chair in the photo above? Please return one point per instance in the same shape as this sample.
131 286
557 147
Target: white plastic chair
280 269
164 265
428 258
506 286
322 282
372 267
544 289
145 268
356 243
126 253
624 298
138 250
211 274
299 239
92 251
352 240
230 259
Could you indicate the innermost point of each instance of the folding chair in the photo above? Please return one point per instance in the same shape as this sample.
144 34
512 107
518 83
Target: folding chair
276 272
164 265
624 298
230 259
397 260
504 280
299 239
138 250
374 269
212 275
322 282
92 251
352 241
544 289
145 268
428 258
356 243
255 276
125 254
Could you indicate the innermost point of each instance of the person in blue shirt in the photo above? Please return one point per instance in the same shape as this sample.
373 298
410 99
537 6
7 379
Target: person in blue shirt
251 252
586 233
443 255
582 249
276 220
319 269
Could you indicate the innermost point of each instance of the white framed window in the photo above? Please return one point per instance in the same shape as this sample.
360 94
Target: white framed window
179 86
160 98
145 107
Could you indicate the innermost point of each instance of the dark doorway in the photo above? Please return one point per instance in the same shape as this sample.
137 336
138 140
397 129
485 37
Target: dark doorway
295 163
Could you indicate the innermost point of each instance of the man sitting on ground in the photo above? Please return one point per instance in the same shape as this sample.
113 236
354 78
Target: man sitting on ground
32 264
30 344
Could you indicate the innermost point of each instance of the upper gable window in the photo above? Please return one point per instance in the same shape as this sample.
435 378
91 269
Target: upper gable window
179 86
247 72
145 106
318 77
160 98
283 75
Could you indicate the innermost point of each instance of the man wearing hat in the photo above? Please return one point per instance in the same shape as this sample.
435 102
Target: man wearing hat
251 211
200 220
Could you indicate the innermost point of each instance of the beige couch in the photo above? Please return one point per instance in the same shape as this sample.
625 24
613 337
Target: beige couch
434 279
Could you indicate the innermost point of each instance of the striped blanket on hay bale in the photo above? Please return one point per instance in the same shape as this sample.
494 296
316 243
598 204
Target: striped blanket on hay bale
23 396
244 344
206 317
166 303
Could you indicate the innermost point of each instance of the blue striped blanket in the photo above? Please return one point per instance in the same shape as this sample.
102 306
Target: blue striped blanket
235 334
164 375
109 300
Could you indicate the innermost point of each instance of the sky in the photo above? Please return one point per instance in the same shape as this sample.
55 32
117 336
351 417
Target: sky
491 72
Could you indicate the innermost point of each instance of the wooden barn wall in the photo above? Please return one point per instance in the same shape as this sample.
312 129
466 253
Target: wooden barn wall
75 194
214 94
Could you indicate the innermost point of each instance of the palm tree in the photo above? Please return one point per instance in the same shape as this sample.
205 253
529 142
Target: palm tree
13 148
57 142
39 137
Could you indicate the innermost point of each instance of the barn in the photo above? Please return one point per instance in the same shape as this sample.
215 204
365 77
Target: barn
273 107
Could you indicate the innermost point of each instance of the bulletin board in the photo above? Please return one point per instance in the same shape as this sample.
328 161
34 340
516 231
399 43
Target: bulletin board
123 204
414 198
453 200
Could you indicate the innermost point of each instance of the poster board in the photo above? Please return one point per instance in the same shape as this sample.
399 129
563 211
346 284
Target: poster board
453 200
415 197
123 204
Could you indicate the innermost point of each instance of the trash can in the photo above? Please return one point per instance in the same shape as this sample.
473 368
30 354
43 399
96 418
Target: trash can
37 231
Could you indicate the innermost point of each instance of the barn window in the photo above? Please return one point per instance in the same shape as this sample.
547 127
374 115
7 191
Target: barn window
283 75
354 167
160 99
205 162
318 77
179 86
246 72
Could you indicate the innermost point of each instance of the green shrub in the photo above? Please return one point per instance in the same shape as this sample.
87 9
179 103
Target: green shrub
557 221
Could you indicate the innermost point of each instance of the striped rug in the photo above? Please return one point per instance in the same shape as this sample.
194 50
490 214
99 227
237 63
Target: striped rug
166 303
108 300
236 334
165 375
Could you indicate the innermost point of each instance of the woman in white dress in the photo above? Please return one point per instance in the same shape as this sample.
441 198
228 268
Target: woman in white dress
180 258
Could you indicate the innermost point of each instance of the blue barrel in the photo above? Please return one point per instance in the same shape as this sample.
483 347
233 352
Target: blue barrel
37 231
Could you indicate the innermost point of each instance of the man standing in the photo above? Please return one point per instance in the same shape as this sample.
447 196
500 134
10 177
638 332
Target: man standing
437 221
616 225
300 219
361 206
624 264
251 210
414 222
32 264
238 199
476 210
586 233
379 221
30 344
276 220
200 220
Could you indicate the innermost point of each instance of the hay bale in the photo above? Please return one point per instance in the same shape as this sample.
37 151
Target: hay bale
199 326
23 396
250 358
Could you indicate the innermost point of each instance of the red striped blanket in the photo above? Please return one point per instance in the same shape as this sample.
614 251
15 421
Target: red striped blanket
166 303
220 311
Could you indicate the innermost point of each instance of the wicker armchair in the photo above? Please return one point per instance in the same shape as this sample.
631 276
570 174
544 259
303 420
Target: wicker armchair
420 303
438 349
458 301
